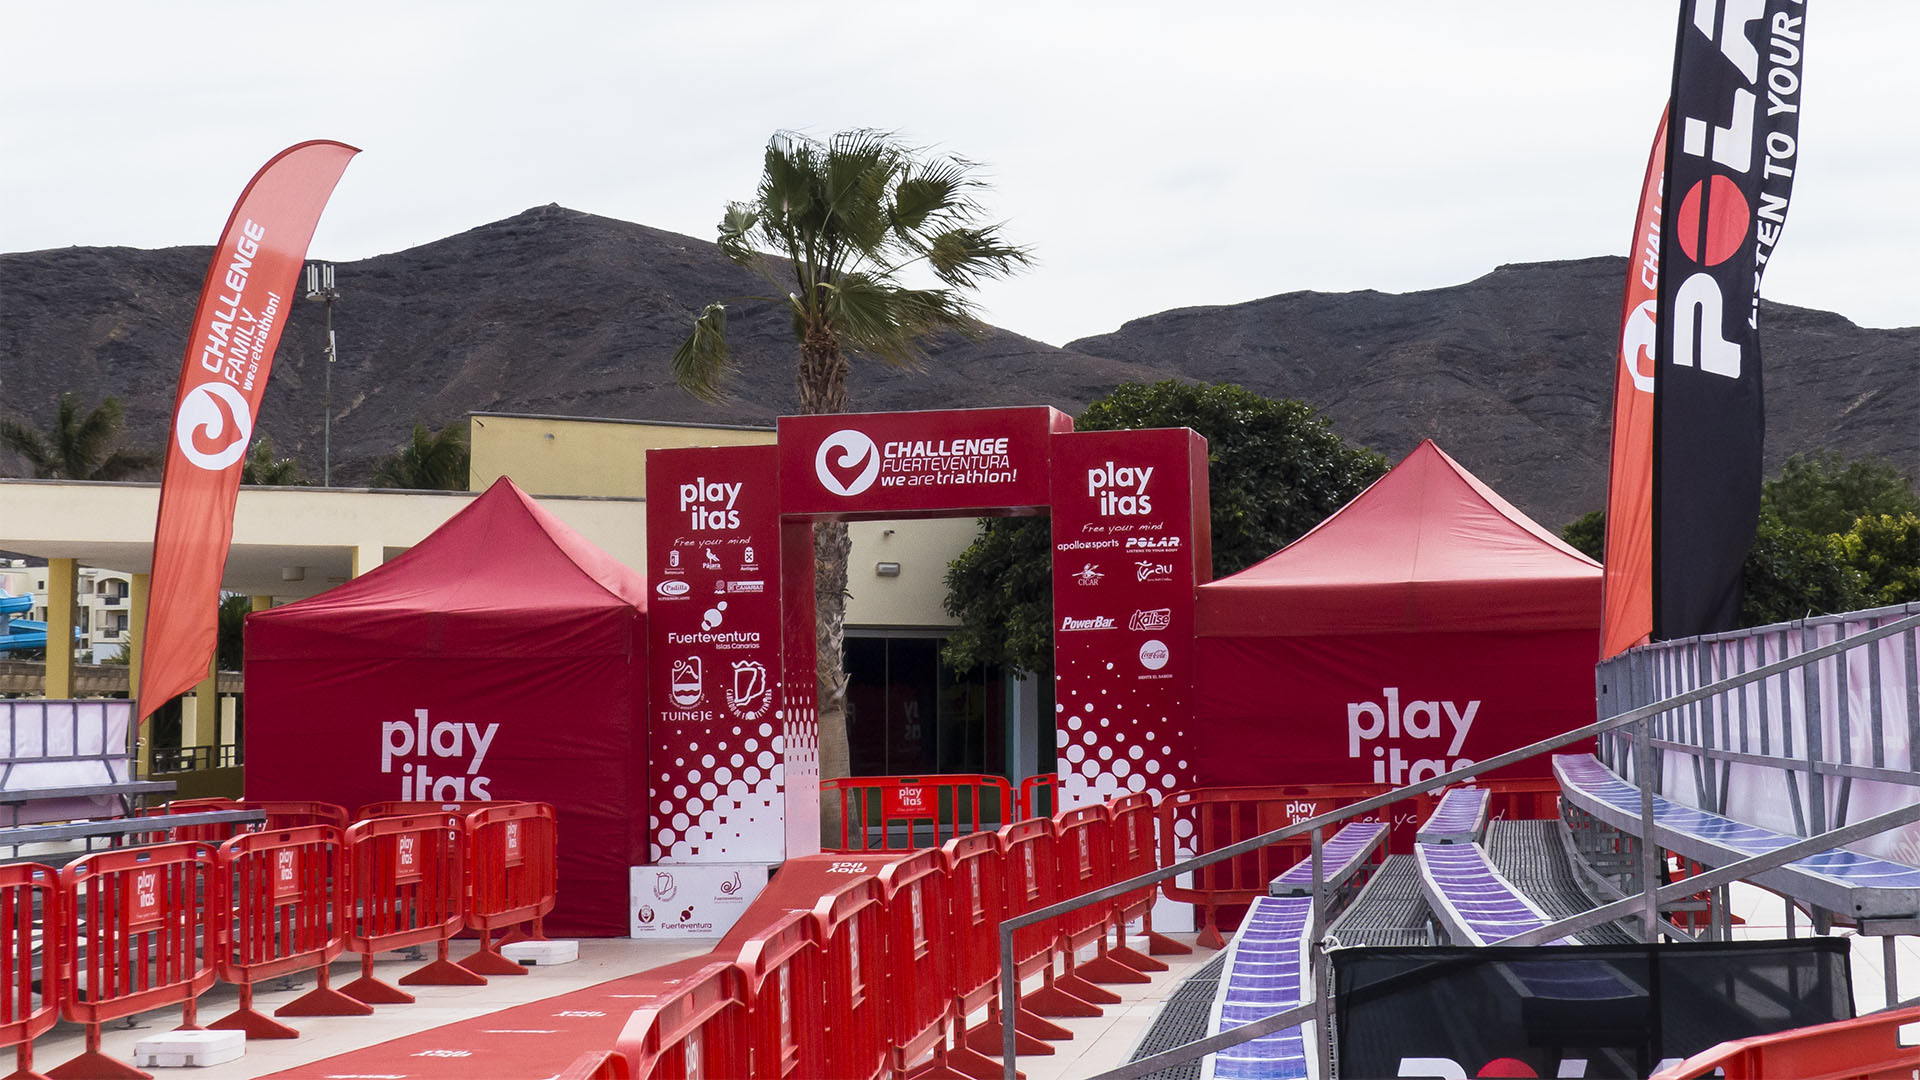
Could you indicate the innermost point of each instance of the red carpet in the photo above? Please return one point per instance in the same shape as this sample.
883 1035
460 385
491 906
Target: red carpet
525 1042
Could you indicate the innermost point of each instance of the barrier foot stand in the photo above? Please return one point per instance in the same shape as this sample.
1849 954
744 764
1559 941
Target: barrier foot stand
1028 1022
985 1039
1210 934
1159 944
966 1061
443 972
256 1024
372 991
94 1065
324 1000
23 1064
1077 985
1105 969
488 961
1120 952
1051 1001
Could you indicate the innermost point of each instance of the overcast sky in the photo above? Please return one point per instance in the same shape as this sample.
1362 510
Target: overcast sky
1154 155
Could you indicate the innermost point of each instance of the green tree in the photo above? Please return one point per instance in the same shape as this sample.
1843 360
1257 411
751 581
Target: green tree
1826 492
433 461
230 642
1791 573
1275 470
846 221
263 469
78 447
1885 551
1588 534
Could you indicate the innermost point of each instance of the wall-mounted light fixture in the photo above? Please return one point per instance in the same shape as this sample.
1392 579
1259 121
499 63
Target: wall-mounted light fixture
886 569
293 573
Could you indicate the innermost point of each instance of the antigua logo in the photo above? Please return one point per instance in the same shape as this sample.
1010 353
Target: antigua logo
847 462
213 426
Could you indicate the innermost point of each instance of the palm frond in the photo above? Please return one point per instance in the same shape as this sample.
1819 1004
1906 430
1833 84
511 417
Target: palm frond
702 360
964 257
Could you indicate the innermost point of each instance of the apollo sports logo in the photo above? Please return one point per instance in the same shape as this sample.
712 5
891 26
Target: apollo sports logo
214 426
848 462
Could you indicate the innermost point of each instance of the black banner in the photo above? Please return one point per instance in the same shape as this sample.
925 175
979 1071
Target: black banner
1574 1010
1732 145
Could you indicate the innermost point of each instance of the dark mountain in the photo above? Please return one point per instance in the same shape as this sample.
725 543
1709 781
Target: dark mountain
1512 374
554 311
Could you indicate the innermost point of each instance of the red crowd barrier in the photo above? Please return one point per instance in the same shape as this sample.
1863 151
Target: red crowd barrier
413 809
950 805
1136 852
1084 839
921 954
1032 790
284 897
409 888
511 878
781 967
853 959
978 883
696 1029
30 985
1864 1048
295 814
149 939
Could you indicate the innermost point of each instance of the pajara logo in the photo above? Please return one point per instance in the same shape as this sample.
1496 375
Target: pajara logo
1156 619
1097 622
1413 727
1088 576
213 426
847 462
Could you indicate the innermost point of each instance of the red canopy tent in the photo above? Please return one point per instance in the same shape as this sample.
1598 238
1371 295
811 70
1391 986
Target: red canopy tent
1426 623
503 657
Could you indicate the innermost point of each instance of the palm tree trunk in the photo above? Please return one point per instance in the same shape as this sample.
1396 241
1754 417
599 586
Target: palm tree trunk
822 385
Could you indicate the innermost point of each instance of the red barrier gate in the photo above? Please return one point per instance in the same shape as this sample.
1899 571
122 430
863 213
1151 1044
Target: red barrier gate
697 1029
920 964
1136 852
1039 796
952 805
413 809
294 814
785 1005
853 958
511 878
977 884
1083 839
149 942
1031 866
408 877
281 905
30 986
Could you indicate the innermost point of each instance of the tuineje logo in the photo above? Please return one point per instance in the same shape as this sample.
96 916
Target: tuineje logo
1121 489
213 426
1368 721
847 462
1098 622
1156 619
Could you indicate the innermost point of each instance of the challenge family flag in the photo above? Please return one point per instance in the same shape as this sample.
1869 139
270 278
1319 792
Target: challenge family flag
1627 610
242 309
1732 146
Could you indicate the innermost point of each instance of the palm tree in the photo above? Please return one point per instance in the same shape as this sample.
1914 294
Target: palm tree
846 220
78 447
263 469
431 462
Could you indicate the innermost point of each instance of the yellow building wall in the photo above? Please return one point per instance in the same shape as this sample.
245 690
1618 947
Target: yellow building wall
549 455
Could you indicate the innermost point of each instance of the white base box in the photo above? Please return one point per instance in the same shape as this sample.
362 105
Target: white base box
541 953
181 1049
691 900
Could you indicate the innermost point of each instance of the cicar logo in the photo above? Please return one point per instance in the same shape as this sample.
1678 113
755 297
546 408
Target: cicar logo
214 425
847 462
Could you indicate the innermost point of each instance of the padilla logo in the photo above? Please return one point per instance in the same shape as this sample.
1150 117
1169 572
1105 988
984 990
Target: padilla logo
1098 622
673 588
213 426
847 462
1157 619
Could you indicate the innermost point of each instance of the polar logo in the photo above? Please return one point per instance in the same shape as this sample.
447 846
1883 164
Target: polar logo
213 426
1637 340
847 462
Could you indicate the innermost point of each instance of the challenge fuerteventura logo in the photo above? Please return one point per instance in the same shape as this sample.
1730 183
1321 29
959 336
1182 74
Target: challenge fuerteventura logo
213 426
852 469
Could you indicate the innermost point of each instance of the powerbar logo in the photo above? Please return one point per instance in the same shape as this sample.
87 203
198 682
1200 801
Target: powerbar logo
1120 489
1369 721
1157 619
1098 622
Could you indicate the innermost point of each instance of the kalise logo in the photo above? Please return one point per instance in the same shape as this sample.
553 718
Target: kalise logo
1157 619
432 744
708 504
847 462
1368 722
213 426
1120 489
1097 622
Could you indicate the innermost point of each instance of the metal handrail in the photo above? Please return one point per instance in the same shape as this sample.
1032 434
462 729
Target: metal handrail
1648 899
